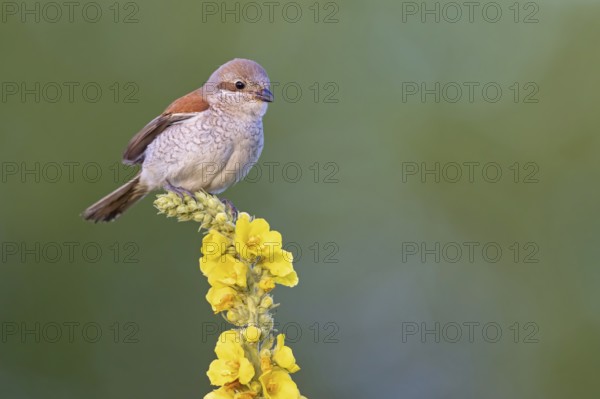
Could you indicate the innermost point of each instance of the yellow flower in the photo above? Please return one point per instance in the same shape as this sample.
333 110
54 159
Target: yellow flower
221 268
279 264
283 356
231 363
255 241
254 238
221 298
227 271
277 384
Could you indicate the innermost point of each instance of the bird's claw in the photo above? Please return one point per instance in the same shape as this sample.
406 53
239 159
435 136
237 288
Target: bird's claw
180 191
232 208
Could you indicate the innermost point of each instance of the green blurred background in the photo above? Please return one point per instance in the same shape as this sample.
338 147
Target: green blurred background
366 288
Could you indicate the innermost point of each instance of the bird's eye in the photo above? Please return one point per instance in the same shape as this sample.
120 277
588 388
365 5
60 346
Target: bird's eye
240 85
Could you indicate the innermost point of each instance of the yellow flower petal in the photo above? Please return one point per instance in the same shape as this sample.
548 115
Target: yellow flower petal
208 265
220 372
242 229
291 280
283 355
254 239
232 363
221 393
230 271
246 371
214 244
228 346
259 227
271 237
279 263
278 384
221 298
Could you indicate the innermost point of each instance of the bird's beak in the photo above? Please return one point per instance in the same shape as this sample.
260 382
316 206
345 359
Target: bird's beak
265 95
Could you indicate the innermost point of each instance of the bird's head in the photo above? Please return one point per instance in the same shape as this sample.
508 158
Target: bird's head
239 86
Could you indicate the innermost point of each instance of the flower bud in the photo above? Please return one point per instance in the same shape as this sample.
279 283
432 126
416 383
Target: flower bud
221 217
252 334
266 302
267 284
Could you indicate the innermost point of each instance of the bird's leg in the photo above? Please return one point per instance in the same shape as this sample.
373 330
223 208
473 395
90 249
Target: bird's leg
229 204
180 191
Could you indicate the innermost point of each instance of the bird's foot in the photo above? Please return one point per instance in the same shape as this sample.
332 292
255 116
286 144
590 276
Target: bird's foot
232 208
180 191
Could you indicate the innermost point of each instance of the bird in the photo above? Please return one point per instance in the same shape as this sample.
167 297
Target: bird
206 140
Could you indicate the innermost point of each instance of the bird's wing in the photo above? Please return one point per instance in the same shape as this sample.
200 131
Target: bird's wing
184 108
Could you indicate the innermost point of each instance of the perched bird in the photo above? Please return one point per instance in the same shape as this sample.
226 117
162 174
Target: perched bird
206 140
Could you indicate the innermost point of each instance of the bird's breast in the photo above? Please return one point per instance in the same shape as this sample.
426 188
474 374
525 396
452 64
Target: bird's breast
211 152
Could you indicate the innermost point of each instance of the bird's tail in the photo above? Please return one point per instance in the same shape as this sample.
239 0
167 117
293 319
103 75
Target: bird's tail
117 202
